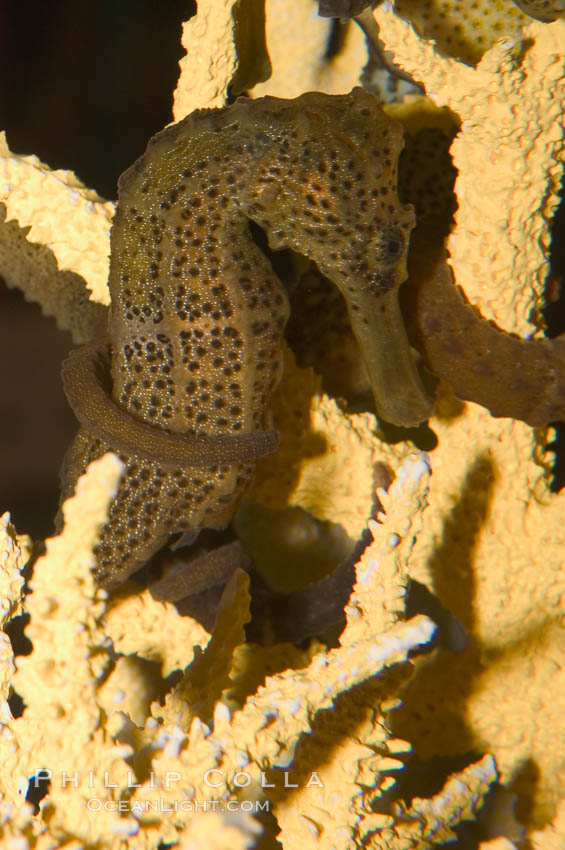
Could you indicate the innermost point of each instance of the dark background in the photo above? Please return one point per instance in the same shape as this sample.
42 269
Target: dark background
83 86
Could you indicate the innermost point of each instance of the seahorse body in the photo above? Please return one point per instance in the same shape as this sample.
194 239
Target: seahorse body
197 313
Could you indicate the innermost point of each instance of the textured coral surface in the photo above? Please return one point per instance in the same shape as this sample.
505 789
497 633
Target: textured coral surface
135 703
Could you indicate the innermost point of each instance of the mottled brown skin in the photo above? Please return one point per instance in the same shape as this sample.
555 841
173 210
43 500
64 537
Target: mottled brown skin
197 313
85 375
542 10
510 376
197 317
513 377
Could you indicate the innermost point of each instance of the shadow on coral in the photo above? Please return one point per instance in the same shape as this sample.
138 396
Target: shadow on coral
313 610
15 629
21 645
38 788
334 727
437 696
450 633
290 547
554 316
451 566
525 783
426 777
451 677
310 598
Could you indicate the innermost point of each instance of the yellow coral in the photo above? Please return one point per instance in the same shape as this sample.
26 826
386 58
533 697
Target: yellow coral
464 29
319 443
152 630
62 728
298 52
225 54
55 257
15 550
508 157
492 542
96 760
483 533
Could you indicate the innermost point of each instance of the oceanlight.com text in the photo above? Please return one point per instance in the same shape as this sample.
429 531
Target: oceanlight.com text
139 807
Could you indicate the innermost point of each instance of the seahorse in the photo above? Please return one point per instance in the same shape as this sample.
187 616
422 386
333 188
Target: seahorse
181 387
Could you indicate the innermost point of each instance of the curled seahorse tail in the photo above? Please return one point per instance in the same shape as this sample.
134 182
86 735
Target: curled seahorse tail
86 383
555 403
512 377
191 571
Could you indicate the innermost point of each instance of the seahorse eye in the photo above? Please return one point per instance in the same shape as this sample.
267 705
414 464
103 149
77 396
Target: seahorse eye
386 247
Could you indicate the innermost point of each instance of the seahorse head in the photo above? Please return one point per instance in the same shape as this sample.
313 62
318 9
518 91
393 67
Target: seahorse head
326 187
